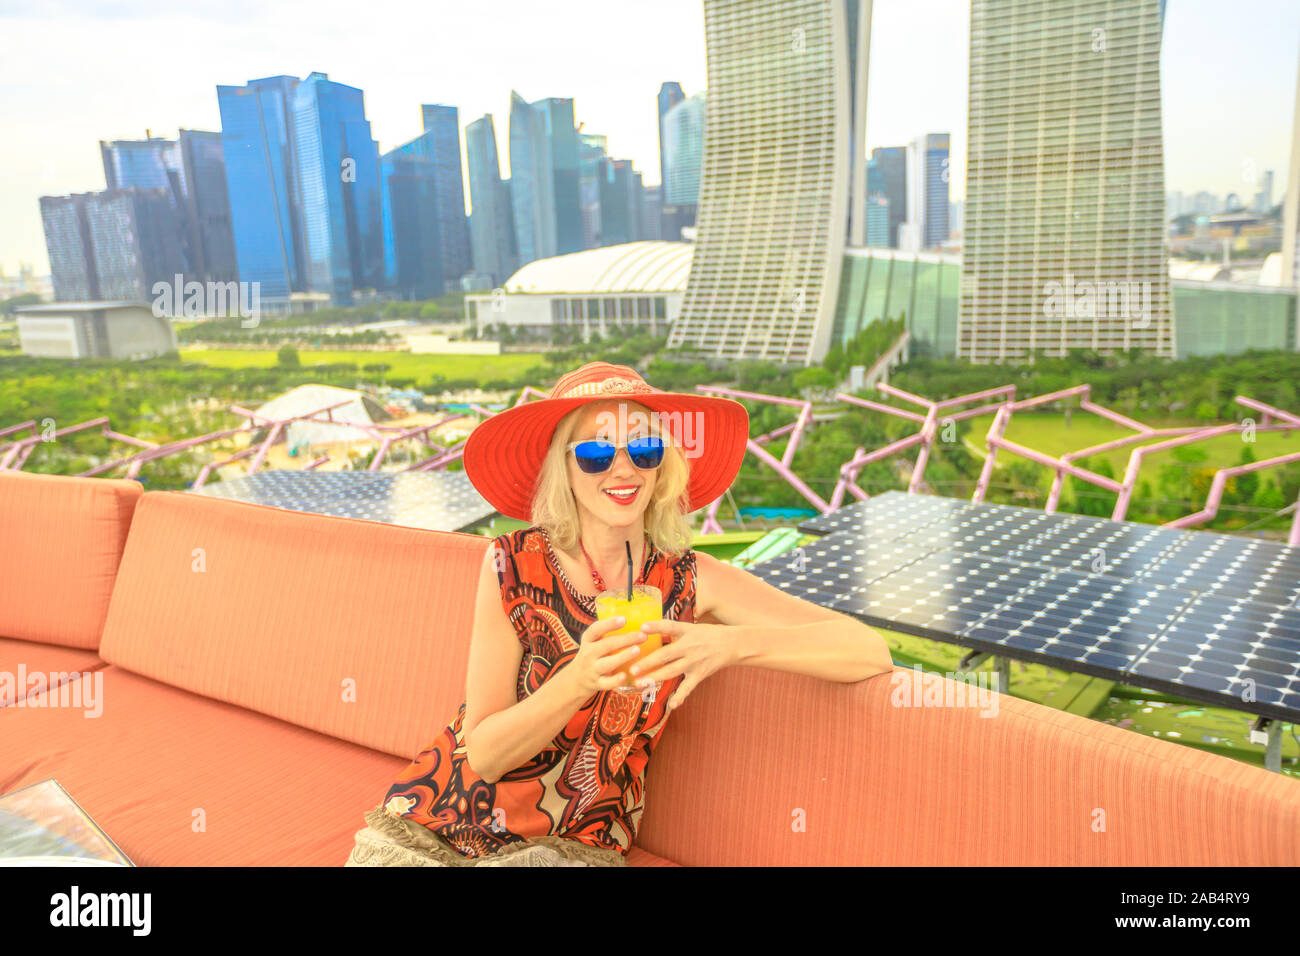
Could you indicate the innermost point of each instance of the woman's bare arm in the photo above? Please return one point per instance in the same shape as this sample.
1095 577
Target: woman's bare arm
773 629
500 732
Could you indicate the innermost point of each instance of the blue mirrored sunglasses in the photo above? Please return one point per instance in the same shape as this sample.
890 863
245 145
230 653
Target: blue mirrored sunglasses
594 457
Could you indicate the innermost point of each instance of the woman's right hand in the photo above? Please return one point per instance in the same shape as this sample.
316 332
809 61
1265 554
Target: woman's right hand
602 656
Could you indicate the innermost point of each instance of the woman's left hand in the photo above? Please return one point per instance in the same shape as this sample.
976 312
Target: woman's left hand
692 651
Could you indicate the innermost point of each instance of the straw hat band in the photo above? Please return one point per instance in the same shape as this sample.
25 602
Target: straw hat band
608 386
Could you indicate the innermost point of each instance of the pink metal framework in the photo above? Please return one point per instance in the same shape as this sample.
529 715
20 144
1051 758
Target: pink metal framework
755 447
446 456
1170 438
924 438
16 454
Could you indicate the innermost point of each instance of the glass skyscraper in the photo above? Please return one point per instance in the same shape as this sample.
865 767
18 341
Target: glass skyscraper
258 138
441 145
544 178
592 148
926 225
683 149
207 205
136 240
67 240
492 225
412 234
424 208
192 171
530 175
112 245
670 94
338 183
887 176
619 202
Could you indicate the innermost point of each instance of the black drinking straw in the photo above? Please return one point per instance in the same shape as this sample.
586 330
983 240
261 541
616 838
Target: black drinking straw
628 545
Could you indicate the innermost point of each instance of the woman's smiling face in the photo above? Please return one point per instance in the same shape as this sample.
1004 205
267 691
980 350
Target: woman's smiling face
618 422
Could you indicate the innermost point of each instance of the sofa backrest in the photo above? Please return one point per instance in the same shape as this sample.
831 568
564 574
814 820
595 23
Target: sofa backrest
764 768
61 539
355 629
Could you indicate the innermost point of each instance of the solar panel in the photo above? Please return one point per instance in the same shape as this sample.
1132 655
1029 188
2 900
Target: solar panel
939 594
1228 647
434 500
1092 624
1247 567
886 512
1194 613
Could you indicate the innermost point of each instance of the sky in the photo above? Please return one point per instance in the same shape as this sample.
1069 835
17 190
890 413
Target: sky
78 71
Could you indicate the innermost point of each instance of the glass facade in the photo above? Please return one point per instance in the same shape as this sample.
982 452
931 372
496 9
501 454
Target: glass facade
529 175
887 176
136 242
562 143
441 144
1210 318
412 233
683 145
617 202
259 147
67 240
670 94
207 205
920 288
339 190
492 225
592 148
544 170
1217 318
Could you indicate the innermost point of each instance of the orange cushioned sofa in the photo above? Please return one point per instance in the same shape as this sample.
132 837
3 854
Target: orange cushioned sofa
266 673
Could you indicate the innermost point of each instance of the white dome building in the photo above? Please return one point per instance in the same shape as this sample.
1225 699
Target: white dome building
635 285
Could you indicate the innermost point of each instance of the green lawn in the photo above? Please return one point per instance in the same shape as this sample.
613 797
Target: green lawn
1048 433
401 364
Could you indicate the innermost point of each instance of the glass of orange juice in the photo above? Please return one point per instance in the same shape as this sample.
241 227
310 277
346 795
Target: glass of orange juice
646 605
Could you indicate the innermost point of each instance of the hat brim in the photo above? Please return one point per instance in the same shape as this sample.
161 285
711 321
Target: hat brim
503 455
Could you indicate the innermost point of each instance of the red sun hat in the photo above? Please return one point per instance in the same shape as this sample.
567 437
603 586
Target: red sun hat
503 456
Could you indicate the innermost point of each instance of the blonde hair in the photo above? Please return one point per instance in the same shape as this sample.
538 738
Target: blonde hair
556 509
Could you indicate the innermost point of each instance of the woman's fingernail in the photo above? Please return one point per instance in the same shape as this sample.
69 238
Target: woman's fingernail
633 669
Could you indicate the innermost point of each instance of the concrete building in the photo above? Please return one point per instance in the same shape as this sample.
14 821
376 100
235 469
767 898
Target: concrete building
93 330
1065 179
636 285
775 188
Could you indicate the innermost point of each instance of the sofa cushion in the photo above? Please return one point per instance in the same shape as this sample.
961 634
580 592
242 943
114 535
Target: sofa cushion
639 857
270 793
62 539
356 629
176 779
20 660
766 768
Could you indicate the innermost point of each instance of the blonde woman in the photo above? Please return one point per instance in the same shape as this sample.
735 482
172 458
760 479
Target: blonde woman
544 763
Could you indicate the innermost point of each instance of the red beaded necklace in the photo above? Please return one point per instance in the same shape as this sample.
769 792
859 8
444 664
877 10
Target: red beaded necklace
595 575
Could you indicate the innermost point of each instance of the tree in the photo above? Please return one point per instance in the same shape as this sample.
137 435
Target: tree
1269 498
1247 483
814 378
288 357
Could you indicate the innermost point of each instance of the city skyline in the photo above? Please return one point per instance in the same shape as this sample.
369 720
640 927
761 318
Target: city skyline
612 85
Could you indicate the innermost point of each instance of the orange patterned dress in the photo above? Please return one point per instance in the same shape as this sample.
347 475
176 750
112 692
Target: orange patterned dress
588 783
